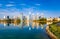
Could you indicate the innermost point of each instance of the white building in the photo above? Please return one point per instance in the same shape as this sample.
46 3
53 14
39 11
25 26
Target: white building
58 19
27 17
37 16
14 17
21 16
4 17
50 19
30 16
33 17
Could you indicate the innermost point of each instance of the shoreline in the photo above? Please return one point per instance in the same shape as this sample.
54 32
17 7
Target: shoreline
50 34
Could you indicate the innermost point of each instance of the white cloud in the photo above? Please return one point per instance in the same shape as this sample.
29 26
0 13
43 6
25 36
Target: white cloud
9 12
10 5
37 4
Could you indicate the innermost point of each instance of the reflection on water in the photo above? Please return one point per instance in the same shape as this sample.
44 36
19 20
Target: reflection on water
33 24
24 30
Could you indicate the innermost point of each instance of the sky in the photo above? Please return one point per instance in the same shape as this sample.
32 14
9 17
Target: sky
50 8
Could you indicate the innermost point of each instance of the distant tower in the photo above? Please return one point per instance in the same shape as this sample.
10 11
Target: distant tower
7 17
14 17
59 16
24 17
33 17
4 17
29 16
21 16
37 16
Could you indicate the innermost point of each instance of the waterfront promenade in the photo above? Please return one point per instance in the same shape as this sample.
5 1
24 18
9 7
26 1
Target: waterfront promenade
50 34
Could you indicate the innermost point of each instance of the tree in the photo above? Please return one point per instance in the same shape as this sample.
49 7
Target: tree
42 20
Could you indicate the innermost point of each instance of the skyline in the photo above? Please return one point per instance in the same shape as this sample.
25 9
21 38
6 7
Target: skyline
50 8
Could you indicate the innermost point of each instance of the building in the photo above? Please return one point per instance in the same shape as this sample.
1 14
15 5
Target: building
33 17
21 16
37 16
30 17
4 17
7 17
50 19
58 19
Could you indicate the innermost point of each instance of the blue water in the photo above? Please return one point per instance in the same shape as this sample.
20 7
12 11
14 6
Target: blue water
15 32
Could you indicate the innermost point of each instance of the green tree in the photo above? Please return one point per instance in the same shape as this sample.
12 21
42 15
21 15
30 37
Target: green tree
42 20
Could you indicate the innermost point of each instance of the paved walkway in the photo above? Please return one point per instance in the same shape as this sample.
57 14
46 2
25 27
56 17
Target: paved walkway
52 36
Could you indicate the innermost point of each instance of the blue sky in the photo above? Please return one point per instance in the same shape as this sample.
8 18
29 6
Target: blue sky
50 8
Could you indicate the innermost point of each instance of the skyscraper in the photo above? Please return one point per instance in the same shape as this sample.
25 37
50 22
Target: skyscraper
33 17
4 17
21 16
7 17
29 16
37 16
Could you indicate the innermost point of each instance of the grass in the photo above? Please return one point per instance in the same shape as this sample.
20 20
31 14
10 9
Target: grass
55 30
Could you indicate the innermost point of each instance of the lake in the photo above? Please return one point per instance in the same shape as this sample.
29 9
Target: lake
23 31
